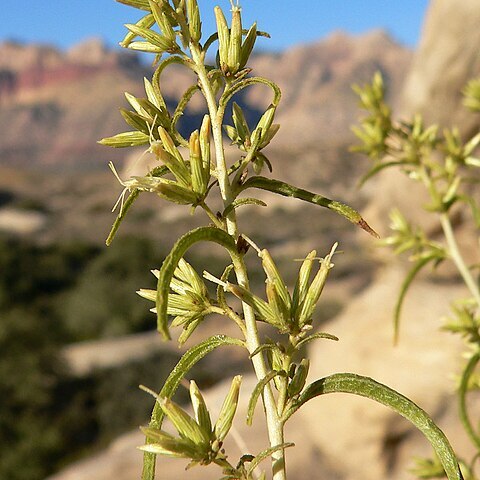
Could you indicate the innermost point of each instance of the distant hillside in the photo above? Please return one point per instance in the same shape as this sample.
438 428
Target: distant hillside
55 105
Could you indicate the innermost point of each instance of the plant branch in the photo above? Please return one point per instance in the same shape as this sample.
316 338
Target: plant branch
274 423
458 259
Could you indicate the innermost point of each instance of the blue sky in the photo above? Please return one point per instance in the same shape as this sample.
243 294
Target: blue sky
66 22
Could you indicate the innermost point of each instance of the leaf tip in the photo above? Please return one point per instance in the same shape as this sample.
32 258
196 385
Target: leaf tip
365 226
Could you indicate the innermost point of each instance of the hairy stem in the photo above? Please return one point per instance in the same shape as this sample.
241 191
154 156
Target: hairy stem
458 259
274 423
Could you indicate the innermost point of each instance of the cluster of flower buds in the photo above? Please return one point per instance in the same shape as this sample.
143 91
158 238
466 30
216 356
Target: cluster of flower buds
253 142
198 440
179 19
190 183
291 314
147 115
233 54
188 302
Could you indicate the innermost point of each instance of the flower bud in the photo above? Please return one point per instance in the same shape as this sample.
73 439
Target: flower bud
199 180
301 286
248 45
194 23
223 38
315 289
228 410
184 423
235 45
173 192
200 408
298 381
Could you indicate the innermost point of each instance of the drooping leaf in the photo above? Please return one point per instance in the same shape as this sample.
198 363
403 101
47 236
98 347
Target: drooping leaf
257 391
315 336
462 394
369 388
188 360
287 190
202 234
403 291
140 4
265 454
156 172
377 168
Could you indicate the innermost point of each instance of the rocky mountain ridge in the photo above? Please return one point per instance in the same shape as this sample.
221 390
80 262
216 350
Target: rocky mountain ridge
55 105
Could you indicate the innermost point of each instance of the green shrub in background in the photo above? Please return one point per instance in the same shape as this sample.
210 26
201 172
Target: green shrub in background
448 168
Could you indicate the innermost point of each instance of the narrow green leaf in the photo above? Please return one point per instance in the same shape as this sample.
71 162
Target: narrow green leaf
140 46
287 190
185 425
240 202
202 234
366 387
140 4
403 291
121 215
265 454
183 102
136 121
146 22
156 172
462 394
188 360
151 36
315 336
247 45
377 168
258 390
238 86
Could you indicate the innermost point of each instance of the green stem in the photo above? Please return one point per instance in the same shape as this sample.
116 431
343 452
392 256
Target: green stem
458 259
463 390
274 423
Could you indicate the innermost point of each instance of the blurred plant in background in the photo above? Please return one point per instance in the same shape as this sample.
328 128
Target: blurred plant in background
448 169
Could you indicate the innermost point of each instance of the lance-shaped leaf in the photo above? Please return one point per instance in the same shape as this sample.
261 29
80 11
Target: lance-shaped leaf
165 444
287 190
258 390
140 4
160 41
202 234
188 360
265 454
462 392
247 45
422 262
366 387
145 22
156 172
185 425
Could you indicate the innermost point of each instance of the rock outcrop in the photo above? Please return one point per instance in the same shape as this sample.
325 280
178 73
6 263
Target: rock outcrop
76 95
